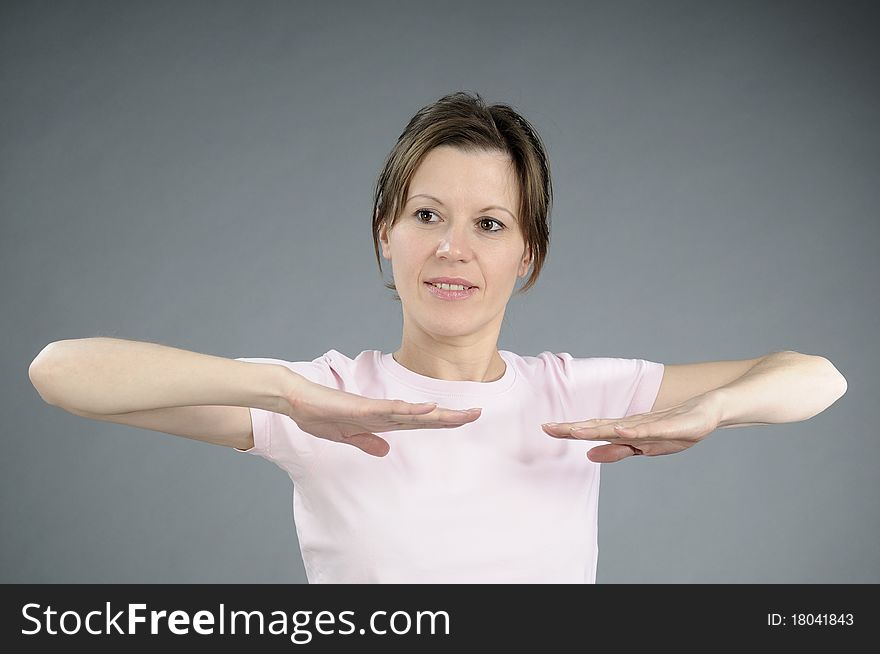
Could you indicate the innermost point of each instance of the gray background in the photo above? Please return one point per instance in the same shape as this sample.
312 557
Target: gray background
199 174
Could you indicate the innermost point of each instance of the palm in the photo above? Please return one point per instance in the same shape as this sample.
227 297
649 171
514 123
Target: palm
353 419
667 431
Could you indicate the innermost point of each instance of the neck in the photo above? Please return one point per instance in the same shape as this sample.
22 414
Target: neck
452 363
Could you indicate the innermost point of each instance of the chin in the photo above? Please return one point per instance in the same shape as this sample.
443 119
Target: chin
444 325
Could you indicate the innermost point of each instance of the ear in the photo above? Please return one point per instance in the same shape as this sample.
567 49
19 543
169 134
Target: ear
383 239
525 263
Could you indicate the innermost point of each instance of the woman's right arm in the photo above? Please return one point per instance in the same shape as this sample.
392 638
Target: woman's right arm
205 397
110 375
162 388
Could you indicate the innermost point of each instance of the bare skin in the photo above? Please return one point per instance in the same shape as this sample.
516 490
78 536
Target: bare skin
353 419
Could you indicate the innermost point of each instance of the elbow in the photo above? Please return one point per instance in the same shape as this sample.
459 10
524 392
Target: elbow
837 380
38 373
842 387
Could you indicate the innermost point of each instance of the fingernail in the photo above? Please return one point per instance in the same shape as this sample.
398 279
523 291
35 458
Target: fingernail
550 424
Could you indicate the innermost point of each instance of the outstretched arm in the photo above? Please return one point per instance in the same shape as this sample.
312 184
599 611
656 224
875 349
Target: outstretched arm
781 387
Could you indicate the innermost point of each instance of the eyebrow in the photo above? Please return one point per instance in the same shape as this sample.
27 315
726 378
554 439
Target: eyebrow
440 202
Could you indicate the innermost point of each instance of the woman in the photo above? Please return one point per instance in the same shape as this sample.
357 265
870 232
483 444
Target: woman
484 464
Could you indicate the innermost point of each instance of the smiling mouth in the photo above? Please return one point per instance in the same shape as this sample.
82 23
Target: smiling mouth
450 294
466 288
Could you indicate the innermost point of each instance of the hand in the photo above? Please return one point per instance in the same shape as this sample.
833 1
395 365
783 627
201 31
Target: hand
350 418
660 432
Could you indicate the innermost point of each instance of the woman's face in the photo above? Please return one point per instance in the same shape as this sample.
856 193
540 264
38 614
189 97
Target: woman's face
467 229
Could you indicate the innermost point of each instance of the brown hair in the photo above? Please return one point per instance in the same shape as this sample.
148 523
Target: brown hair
463 119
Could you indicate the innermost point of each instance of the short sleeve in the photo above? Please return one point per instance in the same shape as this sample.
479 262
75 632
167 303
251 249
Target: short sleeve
647 377
610 387
277 437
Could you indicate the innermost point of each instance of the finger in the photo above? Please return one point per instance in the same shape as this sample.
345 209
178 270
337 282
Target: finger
443 417
611 453
369 443
571 430
403 408
460 414
440 419
608 432
448 419
557 431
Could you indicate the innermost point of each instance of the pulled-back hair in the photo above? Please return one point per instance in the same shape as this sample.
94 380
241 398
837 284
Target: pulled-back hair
462 119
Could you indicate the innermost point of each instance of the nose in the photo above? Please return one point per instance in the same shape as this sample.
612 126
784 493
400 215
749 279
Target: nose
454 244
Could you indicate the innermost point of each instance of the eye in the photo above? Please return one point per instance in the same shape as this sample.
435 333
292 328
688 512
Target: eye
419 213
420 216
492 220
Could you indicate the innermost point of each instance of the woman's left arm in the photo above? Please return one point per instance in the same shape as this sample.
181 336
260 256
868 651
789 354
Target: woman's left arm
782 387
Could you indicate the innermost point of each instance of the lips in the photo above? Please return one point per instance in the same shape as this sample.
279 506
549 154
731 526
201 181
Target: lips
450 295
451 280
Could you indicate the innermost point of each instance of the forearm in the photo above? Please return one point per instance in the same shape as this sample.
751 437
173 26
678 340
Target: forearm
783 387
109 376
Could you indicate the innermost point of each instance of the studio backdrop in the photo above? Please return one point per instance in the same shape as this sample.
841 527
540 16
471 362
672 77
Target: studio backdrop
199 174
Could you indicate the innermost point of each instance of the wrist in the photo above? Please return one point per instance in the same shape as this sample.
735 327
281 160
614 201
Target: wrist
289 387
716 403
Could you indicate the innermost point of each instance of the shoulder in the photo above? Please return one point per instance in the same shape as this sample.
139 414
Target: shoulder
603 368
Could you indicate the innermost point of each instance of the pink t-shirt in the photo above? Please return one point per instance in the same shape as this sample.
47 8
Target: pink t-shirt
493 501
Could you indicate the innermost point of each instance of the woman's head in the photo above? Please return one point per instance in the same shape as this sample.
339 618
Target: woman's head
506 166
459 221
